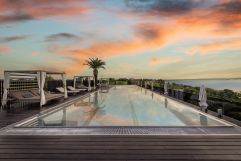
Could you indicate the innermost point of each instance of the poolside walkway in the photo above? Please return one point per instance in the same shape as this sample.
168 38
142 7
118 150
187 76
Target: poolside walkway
8 118
109 148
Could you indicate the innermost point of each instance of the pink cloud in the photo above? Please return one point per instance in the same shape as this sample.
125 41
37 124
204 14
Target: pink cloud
23 10
5 50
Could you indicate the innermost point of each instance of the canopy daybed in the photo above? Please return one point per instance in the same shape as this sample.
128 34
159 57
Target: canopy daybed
73 92
82 86
147 83
104 84
31 95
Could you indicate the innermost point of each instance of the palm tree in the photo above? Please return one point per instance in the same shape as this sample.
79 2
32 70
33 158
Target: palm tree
95 64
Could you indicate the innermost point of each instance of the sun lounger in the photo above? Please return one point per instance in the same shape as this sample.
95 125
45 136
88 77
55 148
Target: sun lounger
61 90
74 89
81 87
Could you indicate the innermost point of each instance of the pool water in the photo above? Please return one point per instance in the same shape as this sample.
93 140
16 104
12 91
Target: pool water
124 106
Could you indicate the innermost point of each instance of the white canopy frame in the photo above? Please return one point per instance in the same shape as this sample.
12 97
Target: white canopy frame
150 83
30 74
145 84
203 97
82 79
104 79
104 84
166 88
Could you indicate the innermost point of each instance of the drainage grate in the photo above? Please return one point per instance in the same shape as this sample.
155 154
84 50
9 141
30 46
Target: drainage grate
124 130
121 131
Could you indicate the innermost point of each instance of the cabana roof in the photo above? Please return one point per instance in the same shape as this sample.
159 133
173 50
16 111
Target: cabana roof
33 71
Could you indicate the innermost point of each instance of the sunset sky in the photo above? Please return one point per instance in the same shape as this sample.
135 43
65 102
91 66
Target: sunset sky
168 39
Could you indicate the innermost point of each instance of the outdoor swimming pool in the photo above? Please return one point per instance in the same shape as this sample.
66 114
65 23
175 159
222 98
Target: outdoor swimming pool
127 105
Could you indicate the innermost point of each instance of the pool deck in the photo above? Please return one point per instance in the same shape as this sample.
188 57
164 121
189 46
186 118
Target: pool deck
120 147
8 118
116 143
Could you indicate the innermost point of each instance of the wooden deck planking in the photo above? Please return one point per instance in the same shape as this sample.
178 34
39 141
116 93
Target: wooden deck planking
7 118
21 113
48 148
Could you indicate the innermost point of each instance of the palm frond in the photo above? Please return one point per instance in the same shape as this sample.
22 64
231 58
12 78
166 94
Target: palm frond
95 63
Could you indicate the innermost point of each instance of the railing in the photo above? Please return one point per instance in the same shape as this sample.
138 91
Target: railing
231 109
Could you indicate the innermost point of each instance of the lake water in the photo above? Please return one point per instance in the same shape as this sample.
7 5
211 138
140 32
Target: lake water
233 84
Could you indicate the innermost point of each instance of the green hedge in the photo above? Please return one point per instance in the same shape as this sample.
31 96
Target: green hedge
118 82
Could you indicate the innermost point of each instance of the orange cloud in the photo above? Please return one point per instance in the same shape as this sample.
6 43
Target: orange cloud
214 48
157 61
197 23
149 37
222 19
191 19
4 50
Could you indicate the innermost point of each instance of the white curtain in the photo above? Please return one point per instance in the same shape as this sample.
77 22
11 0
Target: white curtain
94 81
41 76
165 88
74 82
89 86
82 81
203 97
38 80
5 88
64 86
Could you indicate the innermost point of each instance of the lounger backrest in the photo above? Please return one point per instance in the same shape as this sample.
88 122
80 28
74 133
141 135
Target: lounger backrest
60 89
